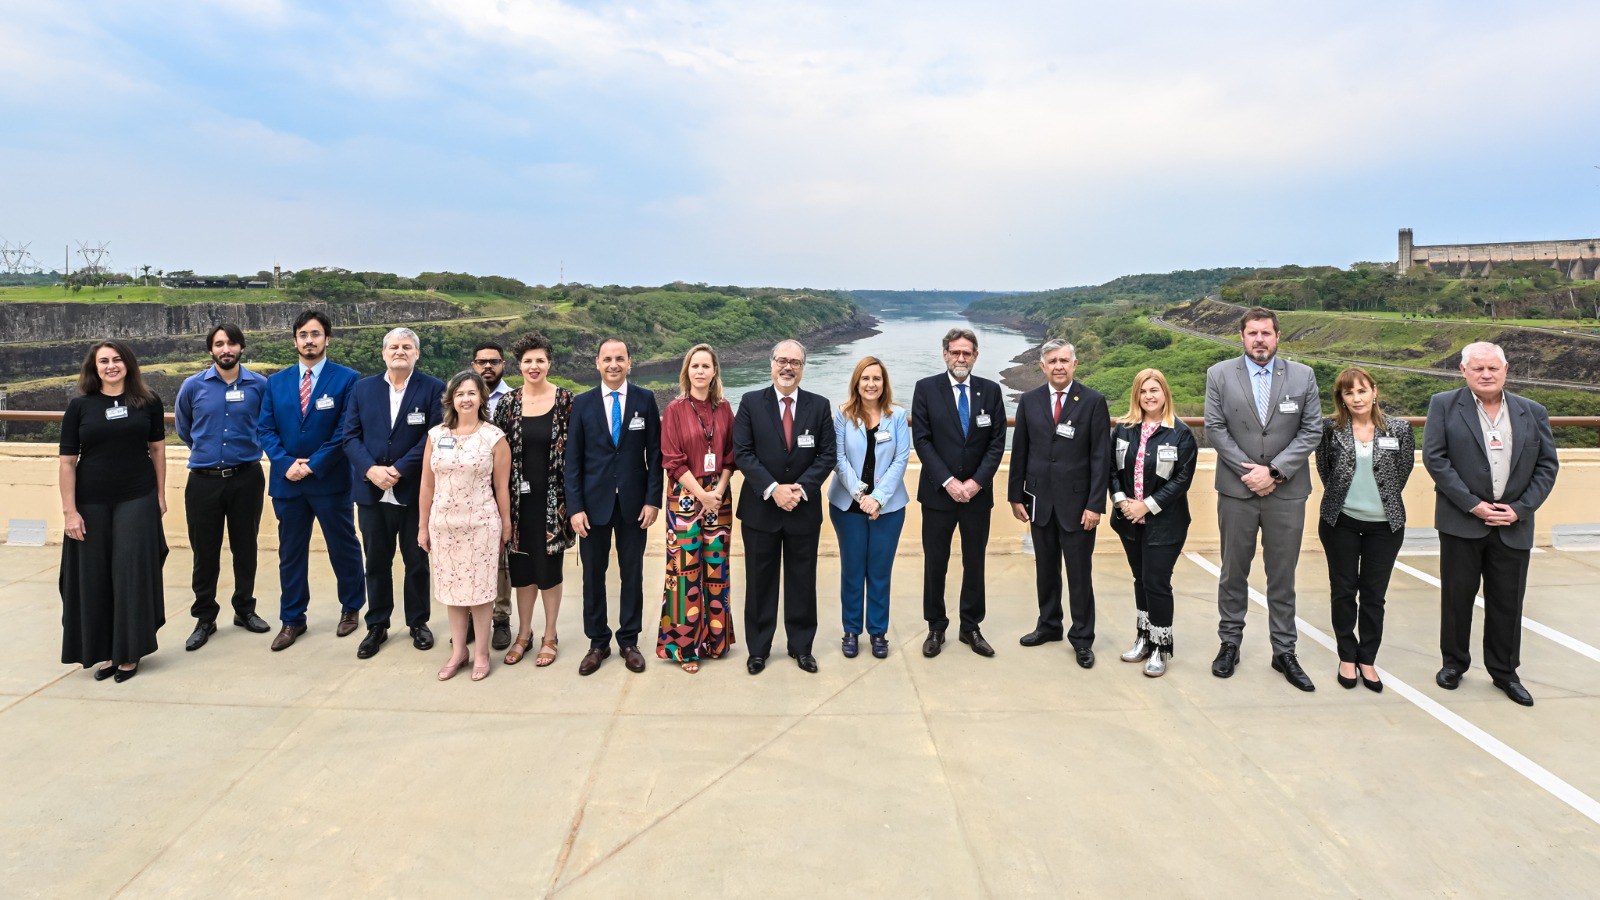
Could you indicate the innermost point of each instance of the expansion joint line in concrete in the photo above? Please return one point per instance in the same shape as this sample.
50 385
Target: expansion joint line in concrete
588 791
1522 765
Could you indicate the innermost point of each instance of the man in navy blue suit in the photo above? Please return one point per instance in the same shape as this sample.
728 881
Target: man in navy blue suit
613 474
299 432
385 428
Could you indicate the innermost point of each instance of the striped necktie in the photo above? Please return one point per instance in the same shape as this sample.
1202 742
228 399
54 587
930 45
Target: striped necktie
305 392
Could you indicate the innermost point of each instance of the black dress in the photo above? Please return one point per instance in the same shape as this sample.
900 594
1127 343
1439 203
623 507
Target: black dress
534 566
112 602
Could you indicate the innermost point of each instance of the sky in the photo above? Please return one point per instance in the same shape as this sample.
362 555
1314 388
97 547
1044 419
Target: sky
1005 146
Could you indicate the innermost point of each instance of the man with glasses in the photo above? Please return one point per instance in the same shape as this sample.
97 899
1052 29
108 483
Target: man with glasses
958 425
489 361
785 459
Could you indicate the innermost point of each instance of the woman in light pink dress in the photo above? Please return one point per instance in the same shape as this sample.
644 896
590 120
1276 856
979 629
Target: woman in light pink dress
465 515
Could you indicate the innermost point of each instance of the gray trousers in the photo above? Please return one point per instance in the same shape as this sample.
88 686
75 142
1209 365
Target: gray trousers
1280 523
502 594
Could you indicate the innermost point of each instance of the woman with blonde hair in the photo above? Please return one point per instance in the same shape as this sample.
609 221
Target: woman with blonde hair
867 500
1364 461
1152 466
697 455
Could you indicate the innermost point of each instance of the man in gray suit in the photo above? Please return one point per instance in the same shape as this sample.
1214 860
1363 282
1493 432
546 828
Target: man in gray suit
1264 418
1493 462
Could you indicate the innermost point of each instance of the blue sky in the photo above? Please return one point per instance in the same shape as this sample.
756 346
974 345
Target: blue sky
841 145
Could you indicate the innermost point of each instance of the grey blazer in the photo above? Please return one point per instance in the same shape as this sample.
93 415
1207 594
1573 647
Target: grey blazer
1455 456
1391 469
1293 429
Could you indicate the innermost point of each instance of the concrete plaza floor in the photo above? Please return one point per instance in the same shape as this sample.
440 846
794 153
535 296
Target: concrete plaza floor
234 771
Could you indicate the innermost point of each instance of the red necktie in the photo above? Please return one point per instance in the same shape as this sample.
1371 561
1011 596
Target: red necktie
1060 395
788 423
305 392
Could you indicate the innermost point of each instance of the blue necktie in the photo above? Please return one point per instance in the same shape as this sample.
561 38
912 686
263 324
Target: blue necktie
1263 392
962 409
616 418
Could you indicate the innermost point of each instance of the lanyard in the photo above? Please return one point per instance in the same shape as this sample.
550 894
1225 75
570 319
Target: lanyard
704 428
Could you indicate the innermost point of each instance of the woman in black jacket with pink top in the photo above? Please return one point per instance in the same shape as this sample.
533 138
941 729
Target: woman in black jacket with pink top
1152 466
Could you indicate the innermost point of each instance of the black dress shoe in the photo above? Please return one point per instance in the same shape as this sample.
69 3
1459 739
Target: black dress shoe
1292 673
1038 636
755 664
1227 658
252 623
203 630
348 622
376 635
1085 657
880 646
974 639
1515 691
850 644
1448 678
126 674
931 646
104 672
502 634
422 638
805 661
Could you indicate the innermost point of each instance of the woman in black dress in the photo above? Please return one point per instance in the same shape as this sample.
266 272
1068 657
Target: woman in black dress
113 495
535 420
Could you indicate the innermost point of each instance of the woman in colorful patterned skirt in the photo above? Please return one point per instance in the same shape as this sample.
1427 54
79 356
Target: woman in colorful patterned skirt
697 453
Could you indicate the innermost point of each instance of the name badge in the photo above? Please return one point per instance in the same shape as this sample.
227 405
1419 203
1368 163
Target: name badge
234 396
636 423
1495 443
1166 453
983 420
1066 430
416 417
806 440
117 412
710 463
883 437
1288 406
325 402
523 488
1388 443
447 442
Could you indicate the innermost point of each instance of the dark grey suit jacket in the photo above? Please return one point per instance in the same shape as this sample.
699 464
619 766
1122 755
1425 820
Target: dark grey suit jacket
1286 441
1455 456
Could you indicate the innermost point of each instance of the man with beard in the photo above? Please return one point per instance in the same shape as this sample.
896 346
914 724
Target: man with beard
216 414
299 431
489 361
958 425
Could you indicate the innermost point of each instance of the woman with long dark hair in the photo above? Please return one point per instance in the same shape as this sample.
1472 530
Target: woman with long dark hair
113 480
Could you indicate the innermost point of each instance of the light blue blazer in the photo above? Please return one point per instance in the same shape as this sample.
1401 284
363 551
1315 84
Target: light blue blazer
888 483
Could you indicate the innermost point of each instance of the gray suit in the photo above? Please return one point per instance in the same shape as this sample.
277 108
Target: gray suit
1292 431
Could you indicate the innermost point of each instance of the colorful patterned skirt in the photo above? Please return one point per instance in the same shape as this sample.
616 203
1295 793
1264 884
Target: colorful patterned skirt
696 606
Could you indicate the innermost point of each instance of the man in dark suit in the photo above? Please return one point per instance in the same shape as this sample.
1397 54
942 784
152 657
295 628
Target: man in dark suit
1060 471
613 474
958 425
299 431
1493 461
385 428
783 444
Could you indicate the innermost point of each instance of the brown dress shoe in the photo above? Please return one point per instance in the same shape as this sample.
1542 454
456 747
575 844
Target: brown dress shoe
287 636
633 659
592 659
347 623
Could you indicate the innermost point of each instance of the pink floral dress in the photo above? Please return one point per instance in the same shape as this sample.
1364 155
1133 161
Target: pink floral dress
464 525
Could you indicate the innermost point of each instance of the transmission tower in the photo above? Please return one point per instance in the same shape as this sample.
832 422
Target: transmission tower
96 258
16 260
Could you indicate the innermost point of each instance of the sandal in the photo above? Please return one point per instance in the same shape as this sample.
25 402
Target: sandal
691 666
479 673
547 652
450 669
519 649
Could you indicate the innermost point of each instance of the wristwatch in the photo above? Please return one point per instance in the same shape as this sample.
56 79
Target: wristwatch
1276 475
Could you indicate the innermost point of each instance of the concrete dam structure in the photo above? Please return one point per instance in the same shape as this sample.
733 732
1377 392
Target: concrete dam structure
1578 259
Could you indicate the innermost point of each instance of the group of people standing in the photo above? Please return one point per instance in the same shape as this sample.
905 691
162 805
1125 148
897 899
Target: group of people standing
482 488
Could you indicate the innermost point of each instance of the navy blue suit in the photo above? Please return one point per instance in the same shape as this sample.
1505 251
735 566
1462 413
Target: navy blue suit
612 483
371 439
286 435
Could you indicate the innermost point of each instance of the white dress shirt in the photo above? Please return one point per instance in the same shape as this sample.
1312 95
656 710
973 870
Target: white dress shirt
396 397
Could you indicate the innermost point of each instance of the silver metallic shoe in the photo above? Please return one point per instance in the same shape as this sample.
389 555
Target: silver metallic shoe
1156 665
1140 650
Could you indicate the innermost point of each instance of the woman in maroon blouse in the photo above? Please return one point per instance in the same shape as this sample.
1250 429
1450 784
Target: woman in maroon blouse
697 454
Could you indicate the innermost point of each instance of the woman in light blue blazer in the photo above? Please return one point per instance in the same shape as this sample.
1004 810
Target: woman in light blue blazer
867 500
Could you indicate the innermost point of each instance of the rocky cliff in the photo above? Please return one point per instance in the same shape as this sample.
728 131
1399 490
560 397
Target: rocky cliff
43 322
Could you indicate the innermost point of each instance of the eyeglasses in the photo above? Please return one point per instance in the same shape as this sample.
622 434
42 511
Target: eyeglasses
488 362
783 363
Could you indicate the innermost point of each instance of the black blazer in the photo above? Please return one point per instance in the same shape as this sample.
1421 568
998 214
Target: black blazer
598 470
760 454
1167 484
369 439
1065 475
1454 454
942 449
1391 468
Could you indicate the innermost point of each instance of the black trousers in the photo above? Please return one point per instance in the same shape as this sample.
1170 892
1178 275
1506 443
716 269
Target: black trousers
383 525
769 555
1361 558
1464 564
211 505
938 527
595 553
1152 566
1053 547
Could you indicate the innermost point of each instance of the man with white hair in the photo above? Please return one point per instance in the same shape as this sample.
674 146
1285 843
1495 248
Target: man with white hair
1493 461
385 425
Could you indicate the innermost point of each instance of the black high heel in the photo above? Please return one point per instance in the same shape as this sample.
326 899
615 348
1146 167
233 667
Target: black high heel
1347 683
1375 686
101 674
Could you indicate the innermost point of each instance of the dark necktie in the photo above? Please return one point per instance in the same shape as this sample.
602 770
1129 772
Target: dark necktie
1060 398
963 409
788 423
616 418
